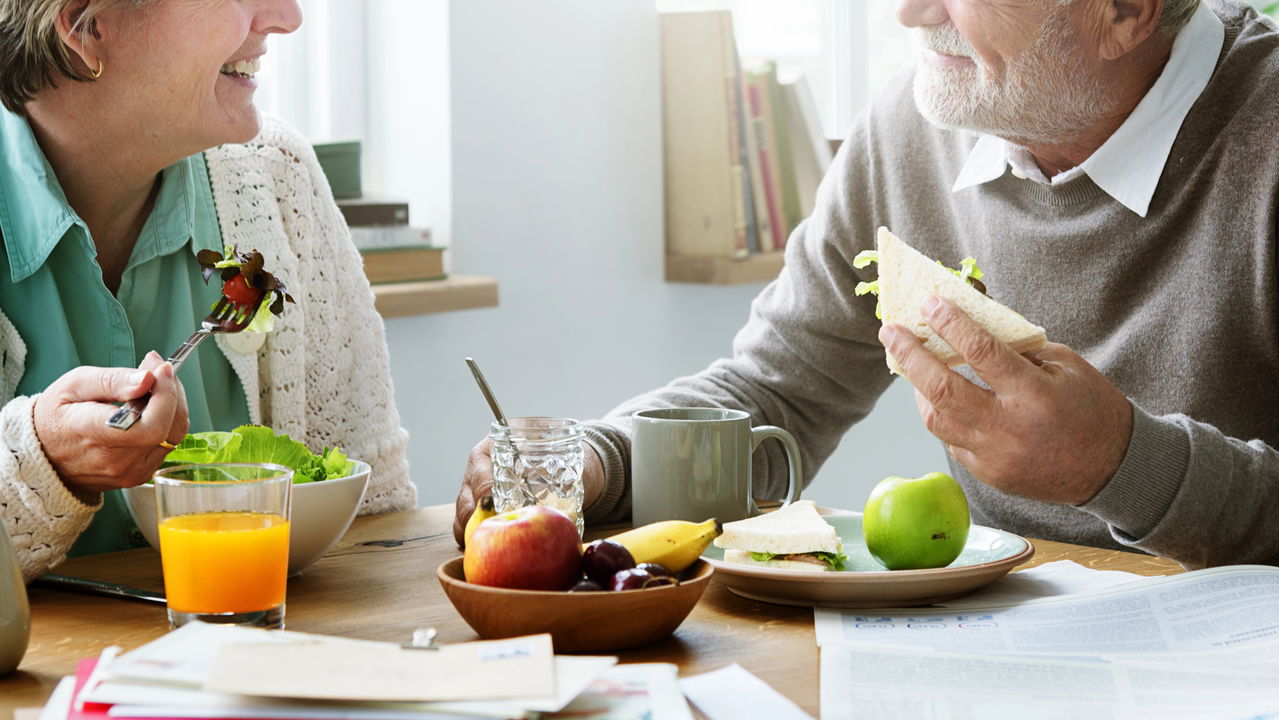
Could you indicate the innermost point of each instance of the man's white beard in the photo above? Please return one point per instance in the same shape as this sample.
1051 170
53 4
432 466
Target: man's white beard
1044 96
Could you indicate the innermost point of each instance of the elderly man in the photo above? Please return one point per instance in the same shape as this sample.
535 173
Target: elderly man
1112 164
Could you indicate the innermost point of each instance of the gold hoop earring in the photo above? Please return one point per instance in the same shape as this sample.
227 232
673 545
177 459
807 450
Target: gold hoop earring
98 73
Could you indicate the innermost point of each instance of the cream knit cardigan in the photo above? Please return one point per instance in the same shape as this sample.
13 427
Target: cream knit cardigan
322 375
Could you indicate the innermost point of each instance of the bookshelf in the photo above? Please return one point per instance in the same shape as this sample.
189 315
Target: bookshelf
743 154
456 292
723 271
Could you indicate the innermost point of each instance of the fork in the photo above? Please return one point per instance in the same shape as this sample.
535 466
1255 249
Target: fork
226 317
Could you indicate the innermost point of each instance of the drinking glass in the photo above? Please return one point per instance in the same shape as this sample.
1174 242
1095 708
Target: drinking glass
538 461
224 542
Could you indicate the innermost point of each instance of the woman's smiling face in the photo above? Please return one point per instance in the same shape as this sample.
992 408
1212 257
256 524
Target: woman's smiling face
184 68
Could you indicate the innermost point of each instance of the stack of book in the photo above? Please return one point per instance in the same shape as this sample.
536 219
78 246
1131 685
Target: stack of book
393 250
743 153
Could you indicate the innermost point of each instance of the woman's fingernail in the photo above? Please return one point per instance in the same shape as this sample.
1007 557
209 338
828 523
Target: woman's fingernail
138 378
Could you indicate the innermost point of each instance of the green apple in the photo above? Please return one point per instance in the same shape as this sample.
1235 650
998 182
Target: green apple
914 523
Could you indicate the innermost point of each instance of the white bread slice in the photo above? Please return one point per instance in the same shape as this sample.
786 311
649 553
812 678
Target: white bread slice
796 528
907 277
743 557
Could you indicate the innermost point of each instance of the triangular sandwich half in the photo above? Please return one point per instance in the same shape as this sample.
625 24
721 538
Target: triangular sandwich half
907 277
792 538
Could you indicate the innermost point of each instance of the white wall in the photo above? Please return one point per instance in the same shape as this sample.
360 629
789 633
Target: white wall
556 191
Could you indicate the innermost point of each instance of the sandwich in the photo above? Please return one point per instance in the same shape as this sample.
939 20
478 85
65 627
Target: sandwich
792 538
907 277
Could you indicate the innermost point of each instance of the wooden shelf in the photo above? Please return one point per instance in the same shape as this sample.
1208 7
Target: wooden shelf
456 292
763 267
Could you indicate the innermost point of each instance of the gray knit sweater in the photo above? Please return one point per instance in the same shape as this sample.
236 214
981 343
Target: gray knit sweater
1180 310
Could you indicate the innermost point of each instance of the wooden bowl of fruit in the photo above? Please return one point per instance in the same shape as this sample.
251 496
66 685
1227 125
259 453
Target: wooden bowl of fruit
626 605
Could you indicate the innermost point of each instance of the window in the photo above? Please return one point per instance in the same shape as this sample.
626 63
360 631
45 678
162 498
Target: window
376 72
316 78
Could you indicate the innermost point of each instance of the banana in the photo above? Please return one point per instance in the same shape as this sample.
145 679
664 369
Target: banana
674 544
483 511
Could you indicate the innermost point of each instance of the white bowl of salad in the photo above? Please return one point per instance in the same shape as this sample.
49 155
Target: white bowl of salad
327 487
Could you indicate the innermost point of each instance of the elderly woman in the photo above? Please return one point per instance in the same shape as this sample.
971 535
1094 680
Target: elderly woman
128 143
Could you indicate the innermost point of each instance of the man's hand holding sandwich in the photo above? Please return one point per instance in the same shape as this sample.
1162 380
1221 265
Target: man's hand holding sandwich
1050 427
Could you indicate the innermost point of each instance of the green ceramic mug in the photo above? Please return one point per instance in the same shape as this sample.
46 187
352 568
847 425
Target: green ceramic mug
695 463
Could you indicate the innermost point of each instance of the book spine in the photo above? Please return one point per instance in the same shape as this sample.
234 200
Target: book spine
811 122
404 265
364 238
808 168
785 161
737 173
759 200
766 162
744 152
367 214
705 213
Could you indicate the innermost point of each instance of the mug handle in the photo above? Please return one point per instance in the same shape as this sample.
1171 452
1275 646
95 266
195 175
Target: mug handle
795 473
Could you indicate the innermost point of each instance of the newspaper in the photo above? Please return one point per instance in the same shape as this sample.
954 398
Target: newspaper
1204 644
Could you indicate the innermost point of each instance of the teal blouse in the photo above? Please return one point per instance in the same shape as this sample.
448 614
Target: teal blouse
51 288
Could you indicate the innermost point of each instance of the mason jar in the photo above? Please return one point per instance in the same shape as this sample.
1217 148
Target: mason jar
538 461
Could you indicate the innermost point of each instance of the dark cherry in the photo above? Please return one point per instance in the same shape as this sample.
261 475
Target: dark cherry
656 569
602 559
587 586
636 579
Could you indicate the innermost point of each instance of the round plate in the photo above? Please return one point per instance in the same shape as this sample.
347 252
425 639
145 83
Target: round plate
988 555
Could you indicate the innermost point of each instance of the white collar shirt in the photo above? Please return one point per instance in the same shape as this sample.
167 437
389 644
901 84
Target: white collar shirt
1128 165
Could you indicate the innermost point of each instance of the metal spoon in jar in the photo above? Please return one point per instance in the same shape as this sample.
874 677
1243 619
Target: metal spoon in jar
488 394
492 401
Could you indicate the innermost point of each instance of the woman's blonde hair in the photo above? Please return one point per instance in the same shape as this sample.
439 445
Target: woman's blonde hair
32 55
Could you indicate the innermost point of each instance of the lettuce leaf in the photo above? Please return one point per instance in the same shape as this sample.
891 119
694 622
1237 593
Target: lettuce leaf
264 320
260 444
968 272
835 560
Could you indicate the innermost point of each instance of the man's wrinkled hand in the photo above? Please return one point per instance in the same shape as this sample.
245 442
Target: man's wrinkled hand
1050 427
477 481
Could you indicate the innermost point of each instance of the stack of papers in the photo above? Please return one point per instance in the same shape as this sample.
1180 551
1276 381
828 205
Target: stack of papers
1204 644
207 671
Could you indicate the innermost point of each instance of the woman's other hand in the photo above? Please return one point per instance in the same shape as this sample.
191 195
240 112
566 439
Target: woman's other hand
89 456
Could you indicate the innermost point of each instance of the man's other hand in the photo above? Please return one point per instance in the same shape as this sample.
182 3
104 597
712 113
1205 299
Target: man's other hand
1051 427
477 481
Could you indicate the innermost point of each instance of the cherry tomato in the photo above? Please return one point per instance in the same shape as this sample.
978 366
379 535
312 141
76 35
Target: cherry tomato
238 291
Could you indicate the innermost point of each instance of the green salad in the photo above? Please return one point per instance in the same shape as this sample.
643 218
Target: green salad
260 444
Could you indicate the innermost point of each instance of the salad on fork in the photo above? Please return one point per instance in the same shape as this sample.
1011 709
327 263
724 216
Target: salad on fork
247 290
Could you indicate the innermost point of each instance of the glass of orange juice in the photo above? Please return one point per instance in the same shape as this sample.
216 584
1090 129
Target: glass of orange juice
224 542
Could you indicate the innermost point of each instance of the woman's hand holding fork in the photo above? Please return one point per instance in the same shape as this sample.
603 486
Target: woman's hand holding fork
90 457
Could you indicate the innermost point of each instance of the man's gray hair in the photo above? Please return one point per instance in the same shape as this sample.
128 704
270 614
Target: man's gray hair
1176 14
32 55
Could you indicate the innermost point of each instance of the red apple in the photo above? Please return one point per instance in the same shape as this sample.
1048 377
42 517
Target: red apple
531 548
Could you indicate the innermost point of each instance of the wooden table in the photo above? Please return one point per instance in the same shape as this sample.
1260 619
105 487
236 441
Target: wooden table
380 584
